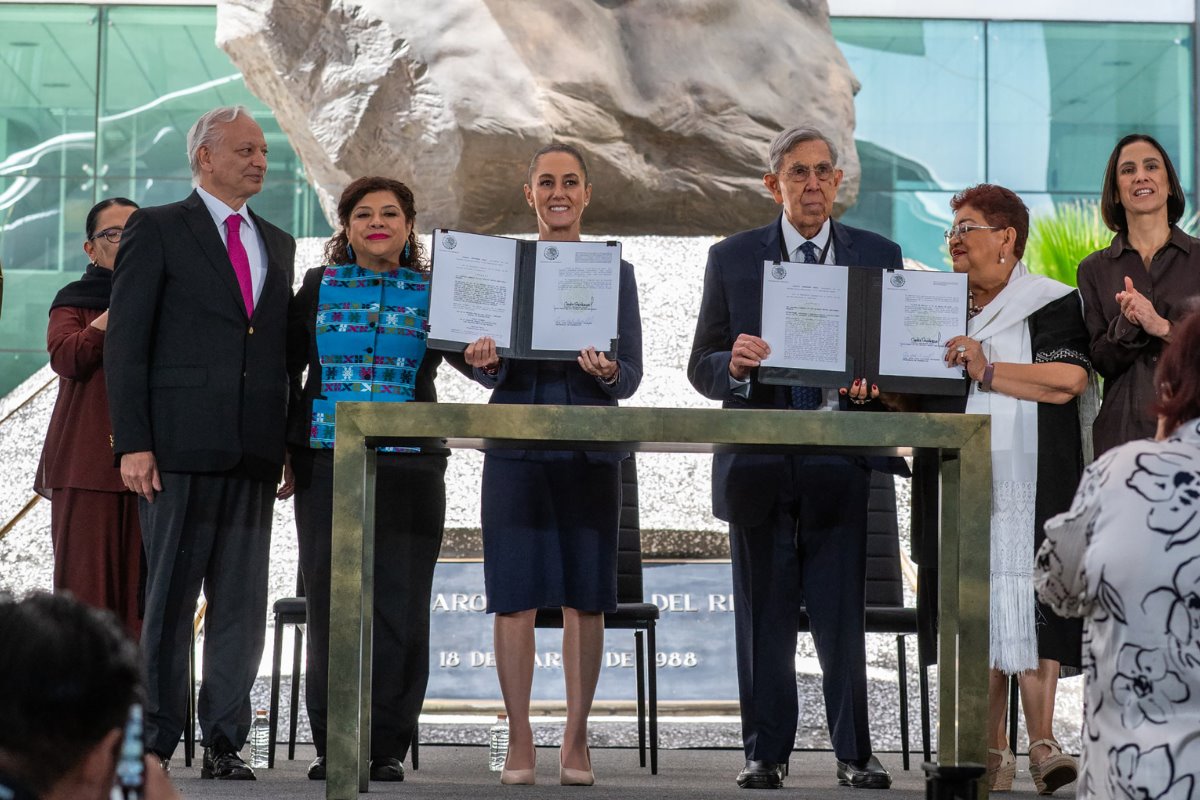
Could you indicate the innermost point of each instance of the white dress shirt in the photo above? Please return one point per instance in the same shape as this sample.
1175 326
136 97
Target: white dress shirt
256 251
793 239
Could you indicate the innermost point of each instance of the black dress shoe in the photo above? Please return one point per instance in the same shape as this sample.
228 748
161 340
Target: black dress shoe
865 774
316 770
222 762
387 769
761 775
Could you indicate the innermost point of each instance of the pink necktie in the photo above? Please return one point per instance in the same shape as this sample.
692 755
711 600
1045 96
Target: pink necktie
240 261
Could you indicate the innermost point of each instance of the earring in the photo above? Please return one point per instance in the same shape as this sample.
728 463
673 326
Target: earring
350 252
1002 258
407 250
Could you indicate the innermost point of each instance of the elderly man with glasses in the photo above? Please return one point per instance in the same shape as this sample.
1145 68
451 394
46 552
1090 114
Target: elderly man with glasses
797 524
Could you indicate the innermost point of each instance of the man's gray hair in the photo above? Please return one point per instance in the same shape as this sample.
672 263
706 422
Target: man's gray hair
785 141
207 132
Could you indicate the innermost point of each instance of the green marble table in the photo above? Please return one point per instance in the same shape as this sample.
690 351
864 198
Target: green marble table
958 444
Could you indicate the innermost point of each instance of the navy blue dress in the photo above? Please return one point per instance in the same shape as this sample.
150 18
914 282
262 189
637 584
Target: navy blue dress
550 518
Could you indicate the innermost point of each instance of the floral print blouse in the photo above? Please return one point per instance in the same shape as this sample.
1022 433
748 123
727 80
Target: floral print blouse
1126 558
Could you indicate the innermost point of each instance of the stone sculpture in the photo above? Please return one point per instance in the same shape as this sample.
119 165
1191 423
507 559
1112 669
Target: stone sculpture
674 102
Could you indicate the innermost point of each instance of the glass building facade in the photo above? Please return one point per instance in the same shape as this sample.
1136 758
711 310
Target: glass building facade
1034 106
97 100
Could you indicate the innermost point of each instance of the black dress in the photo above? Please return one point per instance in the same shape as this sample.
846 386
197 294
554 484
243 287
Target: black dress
1057 334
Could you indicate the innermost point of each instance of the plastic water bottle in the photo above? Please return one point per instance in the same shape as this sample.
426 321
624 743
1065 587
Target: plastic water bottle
498 743
260 738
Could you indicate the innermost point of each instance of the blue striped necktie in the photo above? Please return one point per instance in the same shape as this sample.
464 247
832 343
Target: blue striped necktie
807 398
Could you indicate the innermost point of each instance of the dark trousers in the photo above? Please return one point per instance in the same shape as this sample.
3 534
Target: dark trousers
811 553
98 550
212 531
410 511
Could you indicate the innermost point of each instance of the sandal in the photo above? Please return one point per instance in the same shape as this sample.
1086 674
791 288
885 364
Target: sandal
1055 770
1000 777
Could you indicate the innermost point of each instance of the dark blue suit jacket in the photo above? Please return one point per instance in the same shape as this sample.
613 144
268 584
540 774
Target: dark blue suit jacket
516 381
746 486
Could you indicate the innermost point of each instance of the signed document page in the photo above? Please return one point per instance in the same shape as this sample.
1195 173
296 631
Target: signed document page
576 288
804 315
473 287
920 312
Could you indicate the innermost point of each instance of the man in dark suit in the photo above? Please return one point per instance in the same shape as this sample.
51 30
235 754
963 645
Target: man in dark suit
198 388
797 524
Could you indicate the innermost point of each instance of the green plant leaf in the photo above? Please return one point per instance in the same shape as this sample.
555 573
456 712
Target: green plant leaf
1059 241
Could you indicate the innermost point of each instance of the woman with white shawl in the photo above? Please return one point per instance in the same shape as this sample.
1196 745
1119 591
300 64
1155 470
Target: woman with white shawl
1026 355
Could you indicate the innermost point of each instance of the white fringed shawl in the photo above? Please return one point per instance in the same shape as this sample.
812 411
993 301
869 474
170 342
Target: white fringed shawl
1003 330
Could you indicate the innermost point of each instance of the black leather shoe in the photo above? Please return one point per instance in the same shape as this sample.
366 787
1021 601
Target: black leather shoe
222 762
316 770
761 775
865 774
387 769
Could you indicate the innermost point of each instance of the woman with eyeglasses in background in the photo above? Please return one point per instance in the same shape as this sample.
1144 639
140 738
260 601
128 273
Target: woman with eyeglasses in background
93 517
1135 290
1026 354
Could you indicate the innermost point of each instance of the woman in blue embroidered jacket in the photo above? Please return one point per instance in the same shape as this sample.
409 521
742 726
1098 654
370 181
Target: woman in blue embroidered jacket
550 520
359 326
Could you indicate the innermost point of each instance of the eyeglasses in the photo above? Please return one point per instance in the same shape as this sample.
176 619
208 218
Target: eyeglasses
798 173
962 230
111 234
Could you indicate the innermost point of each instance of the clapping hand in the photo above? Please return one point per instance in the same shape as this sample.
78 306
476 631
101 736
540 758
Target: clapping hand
1140 311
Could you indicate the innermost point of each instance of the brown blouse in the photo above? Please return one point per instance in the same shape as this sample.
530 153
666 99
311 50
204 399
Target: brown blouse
1124 354
78 451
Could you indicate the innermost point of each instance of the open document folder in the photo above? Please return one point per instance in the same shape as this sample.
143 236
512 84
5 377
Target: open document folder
538 300
827 325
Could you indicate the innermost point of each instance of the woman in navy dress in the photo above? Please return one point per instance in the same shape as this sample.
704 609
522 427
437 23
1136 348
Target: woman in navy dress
359 325
550 519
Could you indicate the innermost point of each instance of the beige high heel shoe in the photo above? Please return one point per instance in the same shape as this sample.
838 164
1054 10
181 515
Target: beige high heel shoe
519 777
576 777
1000 777
1055 770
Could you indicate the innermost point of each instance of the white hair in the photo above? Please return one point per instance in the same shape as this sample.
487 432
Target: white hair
207 132
785 141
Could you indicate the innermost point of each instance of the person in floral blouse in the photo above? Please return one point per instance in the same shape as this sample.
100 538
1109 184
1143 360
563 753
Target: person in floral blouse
1126 558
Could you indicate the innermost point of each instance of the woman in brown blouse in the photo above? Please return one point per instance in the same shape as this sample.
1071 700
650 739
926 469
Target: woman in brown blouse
1136 289
93 518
